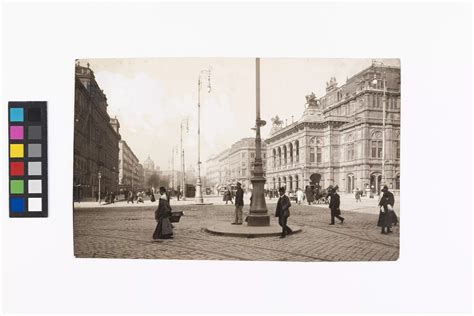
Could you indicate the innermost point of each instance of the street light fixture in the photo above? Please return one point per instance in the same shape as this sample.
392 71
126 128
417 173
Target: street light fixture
99 175
199 198
384 101
184 122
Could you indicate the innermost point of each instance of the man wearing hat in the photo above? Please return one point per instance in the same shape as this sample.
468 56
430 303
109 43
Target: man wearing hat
283 212
334 205
387 215
239 205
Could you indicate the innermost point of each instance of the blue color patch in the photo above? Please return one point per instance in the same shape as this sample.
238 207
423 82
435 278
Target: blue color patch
17 204
16 115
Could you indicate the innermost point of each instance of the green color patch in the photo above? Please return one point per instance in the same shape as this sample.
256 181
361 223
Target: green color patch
17 187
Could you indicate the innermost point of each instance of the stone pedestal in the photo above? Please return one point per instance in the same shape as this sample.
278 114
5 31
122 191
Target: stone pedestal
258 214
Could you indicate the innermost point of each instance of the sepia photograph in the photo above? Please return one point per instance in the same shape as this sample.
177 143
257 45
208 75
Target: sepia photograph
257 159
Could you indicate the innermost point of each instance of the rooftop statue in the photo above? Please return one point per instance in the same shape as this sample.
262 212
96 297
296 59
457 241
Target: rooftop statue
277 122
311 100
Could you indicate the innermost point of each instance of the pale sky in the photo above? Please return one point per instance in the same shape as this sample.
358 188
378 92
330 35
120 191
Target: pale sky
150 97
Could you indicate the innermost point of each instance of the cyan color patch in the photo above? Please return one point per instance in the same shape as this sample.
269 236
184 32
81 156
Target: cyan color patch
16 115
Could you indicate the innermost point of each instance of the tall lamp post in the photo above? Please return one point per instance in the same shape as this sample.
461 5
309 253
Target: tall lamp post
258 214
183 172
99 175
199 198
384 106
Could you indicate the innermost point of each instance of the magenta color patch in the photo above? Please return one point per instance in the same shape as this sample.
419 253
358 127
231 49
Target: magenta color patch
16 132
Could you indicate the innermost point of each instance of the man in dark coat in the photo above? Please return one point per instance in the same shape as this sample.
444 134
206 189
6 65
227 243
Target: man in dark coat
309 194
334 205
283 212
239 205
387 215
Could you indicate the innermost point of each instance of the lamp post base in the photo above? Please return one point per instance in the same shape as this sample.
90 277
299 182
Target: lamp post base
199 199
258 220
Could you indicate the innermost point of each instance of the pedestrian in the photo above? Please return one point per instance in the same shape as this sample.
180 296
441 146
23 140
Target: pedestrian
152 197
113 196
228 196
334 205
283 212
162 214
131 197
309 194
239 205
387 216
357 195
140 197
299 196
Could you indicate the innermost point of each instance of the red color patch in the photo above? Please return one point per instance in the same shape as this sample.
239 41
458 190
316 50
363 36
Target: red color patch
17 168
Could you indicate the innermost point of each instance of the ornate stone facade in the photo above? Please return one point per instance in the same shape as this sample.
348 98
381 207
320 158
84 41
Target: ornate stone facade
95 140
338 140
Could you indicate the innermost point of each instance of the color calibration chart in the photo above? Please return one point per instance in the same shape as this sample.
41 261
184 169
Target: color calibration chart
28 159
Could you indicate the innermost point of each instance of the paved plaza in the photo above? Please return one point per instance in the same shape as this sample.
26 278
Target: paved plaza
125 231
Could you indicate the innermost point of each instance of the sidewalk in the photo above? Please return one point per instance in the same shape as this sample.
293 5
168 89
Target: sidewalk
348 203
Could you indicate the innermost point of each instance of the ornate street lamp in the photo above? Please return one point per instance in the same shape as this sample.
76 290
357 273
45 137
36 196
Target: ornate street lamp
184 122
258 214
199 198
99 175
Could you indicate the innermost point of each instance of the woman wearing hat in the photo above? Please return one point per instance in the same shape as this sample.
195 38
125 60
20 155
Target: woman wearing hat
387 215
163 230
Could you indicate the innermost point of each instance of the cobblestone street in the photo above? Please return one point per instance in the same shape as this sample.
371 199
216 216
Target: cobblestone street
125 231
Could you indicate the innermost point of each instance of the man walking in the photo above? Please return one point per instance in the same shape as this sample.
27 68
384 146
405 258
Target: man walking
283 212
334 206
239 205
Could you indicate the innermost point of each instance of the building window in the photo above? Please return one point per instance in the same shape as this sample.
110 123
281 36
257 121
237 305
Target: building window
319 155
252 155
350 152
311 154
297 145
376 149
397 149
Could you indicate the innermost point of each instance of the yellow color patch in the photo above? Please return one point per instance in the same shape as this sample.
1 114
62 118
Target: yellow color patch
16 151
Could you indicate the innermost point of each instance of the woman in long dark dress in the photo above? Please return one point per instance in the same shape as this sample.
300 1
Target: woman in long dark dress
163 230
387 216
309 194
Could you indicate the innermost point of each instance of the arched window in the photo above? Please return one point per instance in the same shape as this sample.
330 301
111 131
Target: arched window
279 156
274 157
297 145
290 146
285 161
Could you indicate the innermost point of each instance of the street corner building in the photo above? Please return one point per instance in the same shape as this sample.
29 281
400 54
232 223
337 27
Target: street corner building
342 137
